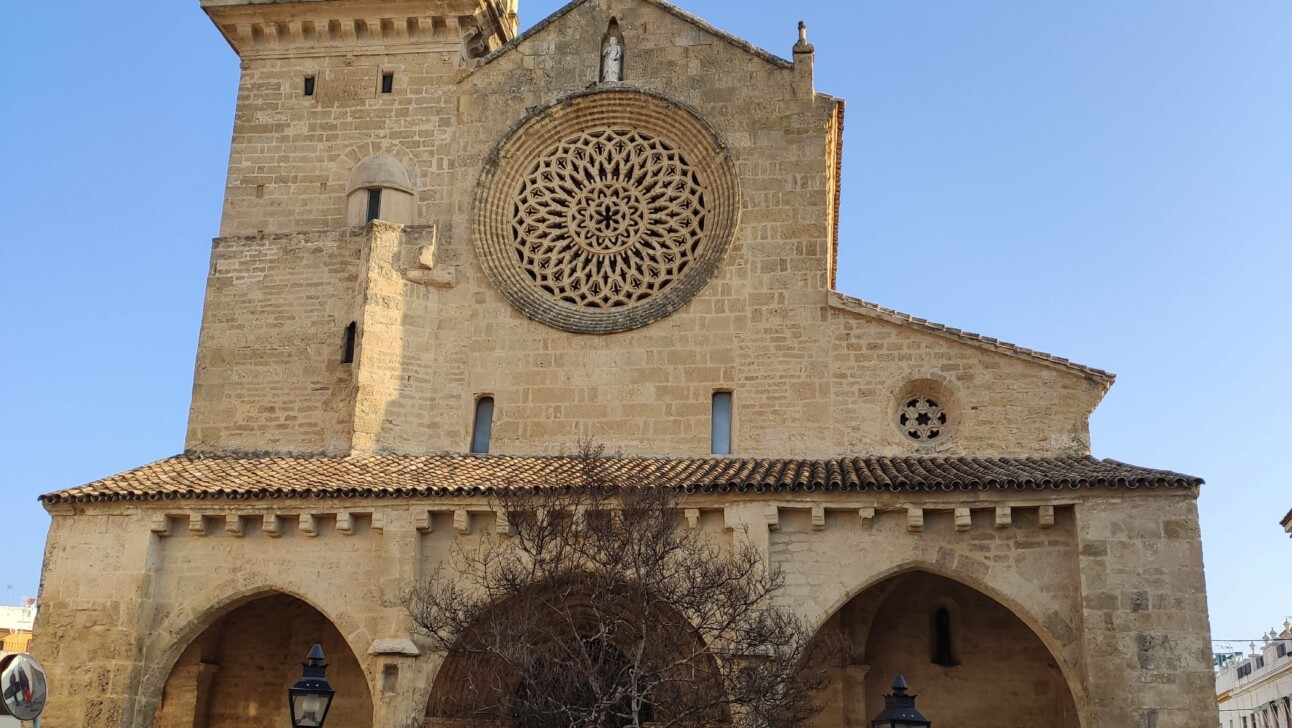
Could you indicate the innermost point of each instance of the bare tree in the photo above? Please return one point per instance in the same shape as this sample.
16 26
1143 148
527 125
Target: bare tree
601 609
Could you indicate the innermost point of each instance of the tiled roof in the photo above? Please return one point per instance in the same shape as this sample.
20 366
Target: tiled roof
394 476
867 308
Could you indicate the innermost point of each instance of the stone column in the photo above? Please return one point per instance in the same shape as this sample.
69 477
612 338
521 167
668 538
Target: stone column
1146 636
96 602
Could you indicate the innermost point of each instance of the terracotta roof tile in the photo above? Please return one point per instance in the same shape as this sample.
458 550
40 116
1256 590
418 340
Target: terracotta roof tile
394 476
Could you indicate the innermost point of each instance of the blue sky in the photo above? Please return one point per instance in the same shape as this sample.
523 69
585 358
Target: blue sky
1108 181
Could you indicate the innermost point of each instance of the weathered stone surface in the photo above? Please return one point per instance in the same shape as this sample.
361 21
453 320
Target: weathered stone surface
1086 607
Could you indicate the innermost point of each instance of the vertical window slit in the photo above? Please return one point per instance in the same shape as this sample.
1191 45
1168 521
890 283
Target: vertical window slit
720 437
943 648
387 83
347 351
309 85
482 430
374 204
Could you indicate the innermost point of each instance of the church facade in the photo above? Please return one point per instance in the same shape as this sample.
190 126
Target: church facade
449 252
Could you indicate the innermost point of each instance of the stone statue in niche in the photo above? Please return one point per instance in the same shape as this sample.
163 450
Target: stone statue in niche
612 60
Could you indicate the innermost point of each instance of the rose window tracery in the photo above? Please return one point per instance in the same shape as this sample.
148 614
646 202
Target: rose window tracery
606 211
922 419
608 218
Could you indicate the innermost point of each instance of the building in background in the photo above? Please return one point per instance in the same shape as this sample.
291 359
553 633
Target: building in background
1255 691
449 251
16 625
1287 524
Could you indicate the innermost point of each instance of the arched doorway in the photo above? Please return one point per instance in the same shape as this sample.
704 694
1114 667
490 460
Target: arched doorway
972 662
235 674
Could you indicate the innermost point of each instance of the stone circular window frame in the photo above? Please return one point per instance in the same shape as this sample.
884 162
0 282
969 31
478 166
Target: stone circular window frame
936 390
544 129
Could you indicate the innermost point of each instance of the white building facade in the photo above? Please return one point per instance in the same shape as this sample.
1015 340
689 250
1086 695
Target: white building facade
1256 691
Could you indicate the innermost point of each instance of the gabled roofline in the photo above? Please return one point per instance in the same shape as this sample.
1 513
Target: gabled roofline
865 308
667 7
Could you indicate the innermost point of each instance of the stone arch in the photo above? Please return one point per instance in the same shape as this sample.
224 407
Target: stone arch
183 624
382 166
235 667
891 589
455 693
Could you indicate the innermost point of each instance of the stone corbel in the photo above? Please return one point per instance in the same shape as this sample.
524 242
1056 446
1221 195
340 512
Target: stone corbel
1004 517
233 525
308 524
772 516
1047 516
270 527
345 523
818 518
428 272
160 525
196 525
964 519
914 519
867 516
693 517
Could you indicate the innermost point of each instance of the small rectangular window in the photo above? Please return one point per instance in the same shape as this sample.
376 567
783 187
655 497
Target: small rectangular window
374 204
347 351
482 430
309 85
387 83
1281 650
720 439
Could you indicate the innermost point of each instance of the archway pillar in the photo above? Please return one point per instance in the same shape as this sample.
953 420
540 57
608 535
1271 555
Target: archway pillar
397 664
97 598
1144 632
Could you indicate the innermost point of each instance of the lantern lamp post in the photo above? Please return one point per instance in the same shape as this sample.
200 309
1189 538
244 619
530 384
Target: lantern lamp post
311 696
899 709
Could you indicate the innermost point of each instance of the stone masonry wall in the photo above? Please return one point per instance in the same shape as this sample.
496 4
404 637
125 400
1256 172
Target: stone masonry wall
810 376
269 375
1108 581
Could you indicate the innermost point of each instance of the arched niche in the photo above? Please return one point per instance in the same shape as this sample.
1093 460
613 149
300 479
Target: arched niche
466 689
380 188
236 672
1002 673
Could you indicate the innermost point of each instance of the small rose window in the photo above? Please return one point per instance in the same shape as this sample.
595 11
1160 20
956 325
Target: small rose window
922 419
926 412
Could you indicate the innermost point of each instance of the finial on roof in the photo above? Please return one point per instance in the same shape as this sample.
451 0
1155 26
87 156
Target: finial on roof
803 46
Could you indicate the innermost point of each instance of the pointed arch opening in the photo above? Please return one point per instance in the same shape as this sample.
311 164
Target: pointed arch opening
236 672
547 631
971 660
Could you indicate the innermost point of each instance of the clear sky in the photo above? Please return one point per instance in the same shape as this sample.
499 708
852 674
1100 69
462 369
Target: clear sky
1105 180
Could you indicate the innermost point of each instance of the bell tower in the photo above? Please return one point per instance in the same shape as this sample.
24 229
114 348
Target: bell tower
344 117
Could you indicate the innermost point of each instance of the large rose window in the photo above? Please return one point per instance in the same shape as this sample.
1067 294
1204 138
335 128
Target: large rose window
607 213
608 218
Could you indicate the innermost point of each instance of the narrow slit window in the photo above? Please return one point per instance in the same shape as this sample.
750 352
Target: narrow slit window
482 430
721 424
943 651
374 204
347 352
387 83
309 85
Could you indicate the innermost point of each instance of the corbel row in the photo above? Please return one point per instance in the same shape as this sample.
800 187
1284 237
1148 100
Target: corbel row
1003 516
307 524
264 35
271 524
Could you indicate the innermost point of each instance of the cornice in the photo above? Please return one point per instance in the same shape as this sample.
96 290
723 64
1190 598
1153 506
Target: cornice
356 27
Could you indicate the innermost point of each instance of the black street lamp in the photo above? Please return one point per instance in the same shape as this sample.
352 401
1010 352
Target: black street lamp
899 709
311 696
